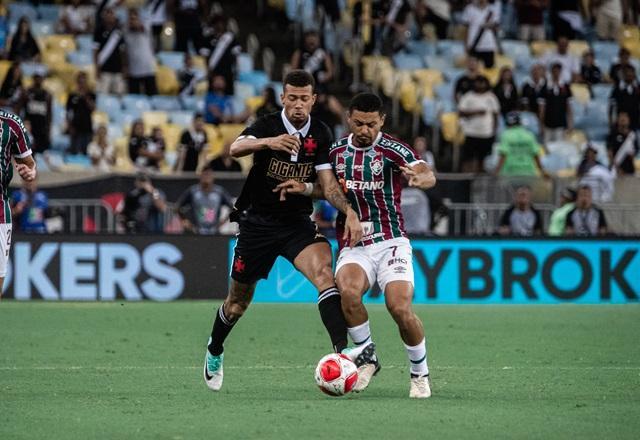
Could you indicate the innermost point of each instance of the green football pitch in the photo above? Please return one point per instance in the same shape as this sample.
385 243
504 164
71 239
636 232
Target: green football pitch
134 370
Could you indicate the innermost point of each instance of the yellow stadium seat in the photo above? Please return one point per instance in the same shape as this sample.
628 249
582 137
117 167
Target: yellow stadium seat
578 47
214 138
59 42
172 133
167 81
633 47
99 118
408 96
450 127
504 61
230 132
276 4
629 33
254 102
492 74
432 77
154 118
4 68
199 62
538 48
386 80
56 87
201 88
371 65
123 161
53 58
580 93
576 137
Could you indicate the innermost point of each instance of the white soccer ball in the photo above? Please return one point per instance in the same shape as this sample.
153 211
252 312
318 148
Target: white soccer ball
336 374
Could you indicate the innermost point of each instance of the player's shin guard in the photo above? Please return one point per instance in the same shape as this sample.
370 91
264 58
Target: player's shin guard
418 358
221 328
333 318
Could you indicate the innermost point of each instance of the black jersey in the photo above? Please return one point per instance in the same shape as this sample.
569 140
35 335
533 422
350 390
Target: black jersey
270 168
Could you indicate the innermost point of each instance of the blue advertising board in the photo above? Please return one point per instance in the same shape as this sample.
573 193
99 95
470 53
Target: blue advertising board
497 271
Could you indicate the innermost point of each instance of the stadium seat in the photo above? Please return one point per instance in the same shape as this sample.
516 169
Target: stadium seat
30 69
553 163
530 121
429 111
167 81
578 47
62 42
84 42
139 102
109 104
243 90
371 65
450 48
539 48
605 50
54 58
181 118
173 60
428 77
404 61
56 87
61 142
100 118
581 92
154 118
41 28
48 12
257 78
450 127
408 95
5 65
192 103
517 50
444 91
244 63
123 162
79 160
628 33
278 88
421 48
115 131
165 103
18 10
254 102
601 92
437 62
80 59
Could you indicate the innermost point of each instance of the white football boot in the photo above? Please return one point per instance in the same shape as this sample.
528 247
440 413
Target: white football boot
213 371
367 362
420 387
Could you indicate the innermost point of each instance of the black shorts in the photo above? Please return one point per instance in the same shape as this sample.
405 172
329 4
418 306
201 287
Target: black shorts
261 240
476 148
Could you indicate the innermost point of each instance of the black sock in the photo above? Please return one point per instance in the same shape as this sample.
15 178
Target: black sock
333 318
221 328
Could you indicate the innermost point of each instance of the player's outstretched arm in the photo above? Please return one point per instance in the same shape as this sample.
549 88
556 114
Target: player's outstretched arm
26 167
245 145
419 175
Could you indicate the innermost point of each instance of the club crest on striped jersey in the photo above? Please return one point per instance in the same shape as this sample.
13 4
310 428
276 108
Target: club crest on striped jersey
376 166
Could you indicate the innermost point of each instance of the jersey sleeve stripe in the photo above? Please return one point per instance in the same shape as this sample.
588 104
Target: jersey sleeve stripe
323 166
23 155
416 162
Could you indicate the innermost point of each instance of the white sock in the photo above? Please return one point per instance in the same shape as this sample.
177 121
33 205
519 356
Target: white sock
418 358
360 334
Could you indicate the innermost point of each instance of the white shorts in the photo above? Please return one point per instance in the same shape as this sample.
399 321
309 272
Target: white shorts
5 246
389 260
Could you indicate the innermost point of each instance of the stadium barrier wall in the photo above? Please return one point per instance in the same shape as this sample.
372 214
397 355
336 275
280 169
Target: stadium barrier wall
447 271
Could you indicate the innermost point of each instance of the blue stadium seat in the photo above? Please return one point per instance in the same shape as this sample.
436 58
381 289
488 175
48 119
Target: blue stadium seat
165 103
554 162
49 12
405 61
109 104
128 116
278 88
597 132
452 74
516 50
243 90
257 78
605 50
429 111
136 102
446 105
530 121
78 159
192 102
29 69
601 92
59 113
115 131
18 10
441 63
244 62
173 60
61 143
84 43
450 48
421 48
80 58
444 91
41 28
239 105
182 118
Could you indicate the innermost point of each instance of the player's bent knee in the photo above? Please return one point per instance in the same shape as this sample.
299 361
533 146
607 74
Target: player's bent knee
400 311
235 310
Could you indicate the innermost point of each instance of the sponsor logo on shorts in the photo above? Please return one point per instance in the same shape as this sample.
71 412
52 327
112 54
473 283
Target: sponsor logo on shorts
396 261
400 269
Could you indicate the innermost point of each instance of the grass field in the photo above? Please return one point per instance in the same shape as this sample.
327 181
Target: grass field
133 370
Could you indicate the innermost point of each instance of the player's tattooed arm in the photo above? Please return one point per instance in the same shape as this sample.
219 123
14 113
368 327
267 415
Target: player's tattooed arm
334 194
419 176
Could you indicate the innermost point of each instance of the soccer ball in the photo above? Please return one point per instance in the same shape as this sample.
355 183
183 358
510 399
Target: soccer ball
336 374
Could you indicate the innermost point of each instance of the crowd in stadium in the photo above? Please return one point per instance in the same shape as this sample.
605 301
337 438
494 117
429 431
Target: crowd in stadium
510 88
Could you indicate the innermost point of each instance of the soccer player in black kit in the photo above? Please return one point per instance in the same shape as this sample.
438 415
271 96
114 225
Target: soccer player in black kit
286 145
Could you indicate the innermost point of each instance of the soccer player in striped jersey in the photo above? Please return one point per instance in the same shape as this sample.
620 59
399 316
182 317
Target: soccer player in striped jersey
14 143
372 167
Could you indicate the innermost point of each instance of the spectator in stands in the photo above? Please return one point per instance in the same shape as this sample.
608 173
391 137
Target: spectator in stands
558 218
622 146
531 19
36 107
519 151
101 6
141 60
12 89
315 60
478 111
29 207
609 15
439 15
465 82
482 21
270 104
200 206
76 18
109 54
224 161
186 15
80 107
144 207
616 70
385 28
421 147
625 98
144 152
506 91
569 63
566 18
23 46
193 146
324 215
415 210
156 10
101 151
533 89
218 105
595 174
521 218
221 49
554 109
585 218
329 110
188 76
590 73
